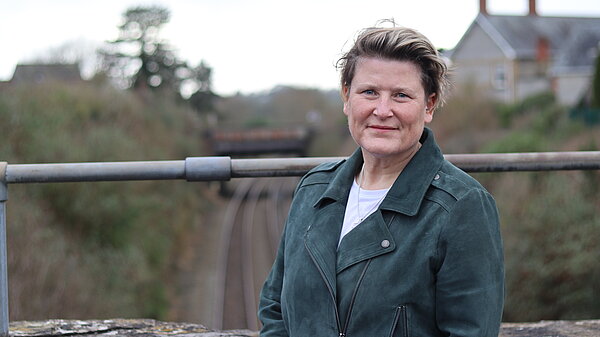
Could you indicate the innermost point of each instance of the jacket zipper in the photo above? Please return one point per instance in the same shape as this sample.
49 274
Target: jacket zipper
362 275
337 315
400 312
342 333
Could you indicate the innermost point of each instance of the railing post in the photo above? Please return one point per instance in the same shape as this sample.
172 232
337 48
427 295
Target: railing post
3 257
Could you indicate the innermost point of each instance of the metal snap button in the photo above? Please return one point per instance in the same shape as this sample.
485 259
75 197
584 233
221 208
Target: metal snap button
437 176
385 243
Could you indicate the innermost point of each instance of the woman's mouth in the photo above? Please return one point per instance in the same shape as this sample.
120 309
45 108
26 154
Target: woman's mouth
382 127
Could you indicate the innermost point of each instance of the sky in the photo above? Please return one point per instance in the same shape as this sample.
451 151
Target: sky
255 45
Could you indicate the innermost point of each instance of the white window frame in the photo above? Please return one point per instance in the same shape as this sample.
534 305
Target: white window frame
499 76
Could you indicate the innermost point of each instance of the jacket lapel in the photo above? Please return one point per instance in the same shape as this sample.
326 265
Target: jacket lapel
409 189
369 239
322 236
321 240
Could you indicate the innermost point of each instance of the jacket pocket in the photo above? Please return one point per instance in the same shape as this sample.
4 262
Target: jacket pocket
400 324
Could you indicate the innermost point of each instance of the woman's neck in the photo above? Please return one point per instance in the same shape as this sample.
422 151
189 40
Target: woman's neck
379 173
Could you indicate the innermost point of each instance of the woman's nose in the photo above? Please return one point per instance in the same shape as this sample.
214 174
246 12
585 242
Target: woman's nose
383 108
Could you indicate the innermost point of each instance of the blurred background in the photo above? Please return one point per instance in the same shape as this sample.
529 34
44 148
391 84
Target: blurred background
124 81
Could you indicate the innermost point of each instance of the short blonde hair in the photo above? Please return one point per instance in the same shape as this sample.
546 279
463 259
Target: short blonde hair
399 44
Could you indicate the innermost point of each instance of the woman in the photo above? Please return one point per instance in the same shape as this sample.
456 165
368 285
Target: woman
393 241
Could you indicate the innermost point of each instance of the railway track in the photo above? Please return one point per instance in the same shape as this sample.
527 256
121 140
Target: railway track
250 234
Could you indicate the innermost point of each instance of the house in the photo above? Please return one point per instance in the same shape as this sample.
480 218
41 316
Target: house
513 57
41 73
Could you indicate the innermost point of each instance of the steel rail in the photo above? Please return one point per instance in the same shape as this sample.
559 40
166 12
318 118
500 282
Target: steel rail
3 256
233 208
225 168
273 232
533 161
247 251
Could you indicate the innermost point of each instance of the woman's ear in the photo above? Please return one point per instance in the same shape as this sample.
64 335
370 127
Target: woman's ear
430 107
345 92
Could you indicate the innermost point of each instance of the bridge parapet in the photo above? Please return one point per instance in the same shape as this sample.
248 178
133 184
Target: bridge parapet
152 328
118 327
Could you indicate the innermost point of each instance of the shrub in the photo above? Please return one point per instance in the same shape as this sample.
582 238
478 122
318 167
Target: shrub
94 249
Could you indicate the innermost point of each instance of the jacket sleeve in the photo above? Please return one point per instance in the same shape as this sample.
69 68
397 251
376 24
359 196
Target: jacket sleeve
269 311
470 279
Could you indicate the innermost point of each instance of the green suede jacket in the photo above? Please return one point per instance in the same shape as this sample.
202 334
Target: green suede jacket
427 263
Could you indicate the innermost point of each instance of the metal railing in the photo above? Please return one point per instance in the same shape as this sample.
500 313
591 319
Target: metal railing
225 168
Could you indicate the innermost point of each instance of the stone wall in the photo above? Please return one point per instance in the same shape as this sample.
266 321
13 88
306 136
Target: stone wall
117 327
152 328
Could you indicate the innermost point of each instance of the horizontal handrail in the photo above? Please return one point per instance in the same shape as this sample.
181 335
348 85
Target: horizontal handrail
225 168
532 161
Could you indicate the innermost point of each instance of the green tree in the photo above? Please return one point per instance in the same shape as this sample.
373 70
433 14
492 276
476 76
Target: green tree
139 58
202 97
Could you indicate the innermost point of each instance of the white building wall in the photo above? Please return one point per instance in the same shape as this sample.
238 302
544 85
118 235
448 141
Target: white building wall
479 60
569 88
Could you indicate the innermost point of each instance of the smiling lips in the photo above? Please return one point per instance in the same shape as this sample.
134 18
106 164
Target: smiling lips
382 127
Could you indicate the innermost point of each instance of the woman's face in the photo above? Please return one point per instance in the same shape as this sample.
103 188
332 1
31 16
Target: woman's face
386 107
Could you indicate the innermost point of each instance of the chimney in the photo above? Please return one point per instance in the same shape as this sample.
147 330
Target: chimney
532 10
543 50
483 7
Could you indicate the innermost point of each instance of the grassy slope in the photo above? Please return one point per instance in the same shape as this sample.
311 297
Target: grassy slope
94 250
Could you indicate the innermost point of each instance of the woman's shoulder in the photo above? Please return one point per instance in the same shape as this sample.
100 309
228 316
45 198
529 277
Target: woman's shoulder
456 182
321 173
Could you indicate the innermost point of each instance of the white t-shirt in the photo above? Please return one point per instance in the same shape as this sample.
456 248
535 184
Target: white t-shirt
369 201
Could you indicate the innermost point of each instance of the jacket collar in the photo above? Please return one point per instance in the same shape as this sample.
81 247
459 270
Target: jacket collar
339 187
407 193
